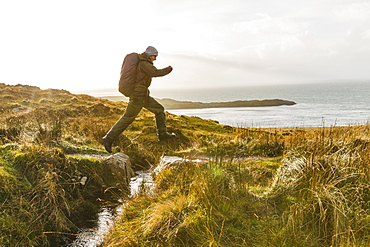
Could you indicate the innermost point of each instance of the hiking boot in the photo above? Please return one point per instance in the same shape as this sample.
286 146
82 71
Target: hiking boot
166 136
107 144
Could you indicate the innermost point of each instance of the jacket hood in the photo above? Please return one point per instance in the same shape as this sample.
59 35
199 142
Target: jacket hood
144 57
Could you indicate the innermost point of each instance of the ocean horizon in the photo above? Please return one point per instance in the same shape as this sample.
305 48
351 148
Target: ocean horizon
317 104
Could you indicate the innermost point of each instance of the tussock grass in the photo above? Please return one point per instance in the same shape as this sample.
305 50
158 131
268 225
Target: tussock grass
327 184
271 187
196 205
315 194
40 186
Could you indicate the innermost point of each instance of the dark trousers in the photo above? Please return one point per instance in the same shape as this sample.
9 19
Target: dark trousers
133 108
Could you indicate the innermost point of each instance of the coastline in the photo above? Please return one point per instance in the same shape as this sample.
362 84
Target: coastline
308 129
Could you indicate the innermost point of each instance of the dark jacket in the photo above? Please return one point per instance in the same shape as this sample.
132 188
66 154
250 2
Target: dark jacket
145 71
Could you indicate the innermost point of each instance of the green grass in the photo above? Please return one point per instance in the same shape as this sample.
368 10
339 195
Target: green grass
197 205
315 194
276 187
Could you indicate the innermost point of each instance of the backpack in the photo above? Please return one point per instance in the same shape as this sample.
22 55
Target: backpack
128 74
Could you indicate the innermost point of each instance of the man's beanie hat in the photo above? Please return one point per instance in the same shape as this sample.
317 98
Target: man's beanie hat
151 51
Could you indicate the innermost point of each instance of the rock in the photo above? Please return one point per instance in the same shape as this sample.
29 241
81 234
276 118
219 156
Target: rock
120 167
46 101
74 100
166 162
83 180
21 108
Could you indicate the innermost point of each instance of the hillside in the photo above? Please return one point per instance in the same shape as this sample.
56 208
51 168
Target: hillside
259 187
39 179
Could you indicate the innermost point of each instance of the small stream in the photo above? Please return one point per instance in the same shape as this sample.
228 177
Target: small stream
143 181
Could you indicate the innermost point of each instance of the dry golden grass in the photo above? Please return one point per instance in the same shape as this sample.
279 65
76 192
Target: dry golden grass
262 187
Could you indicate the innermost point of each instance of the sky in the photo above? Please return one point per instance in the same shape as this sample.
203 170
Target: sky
79 45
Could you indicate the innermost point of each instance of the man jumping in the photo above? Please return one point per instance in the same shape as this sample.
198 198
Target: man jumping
140 98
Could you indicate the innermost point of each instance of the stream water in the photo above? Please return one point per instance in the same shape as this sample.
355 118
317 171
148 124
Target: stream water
143 181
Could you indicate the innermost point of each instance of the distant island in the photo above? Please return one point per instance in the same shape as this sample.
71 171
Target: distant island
172 104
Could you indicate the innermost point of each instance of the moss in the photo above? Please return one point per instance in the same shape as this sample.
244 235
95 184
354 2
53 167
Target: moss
48 182
256 171
8 183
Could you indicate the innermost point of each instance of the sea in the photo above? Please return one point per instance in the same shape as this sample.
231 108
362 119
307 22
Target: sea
317 104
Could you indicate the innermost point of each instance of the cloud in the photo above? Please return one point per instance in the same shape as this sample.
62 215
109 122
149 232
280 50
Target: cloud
81 44
352 12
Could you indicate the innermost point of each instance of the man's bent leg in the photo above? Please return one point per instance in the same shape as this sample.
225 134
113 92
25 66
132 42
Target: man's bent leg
160 118
133 108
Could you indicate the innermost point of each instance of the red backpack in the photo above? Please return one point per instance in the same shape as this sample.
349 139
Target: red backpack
128 74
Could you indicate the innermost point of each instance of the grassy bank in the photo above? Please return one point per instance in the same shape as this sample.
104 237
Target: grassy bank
314 193
262 187
42 199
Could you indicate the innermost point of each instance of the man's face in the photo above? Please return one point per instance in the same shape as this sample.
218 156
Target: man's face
153 58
